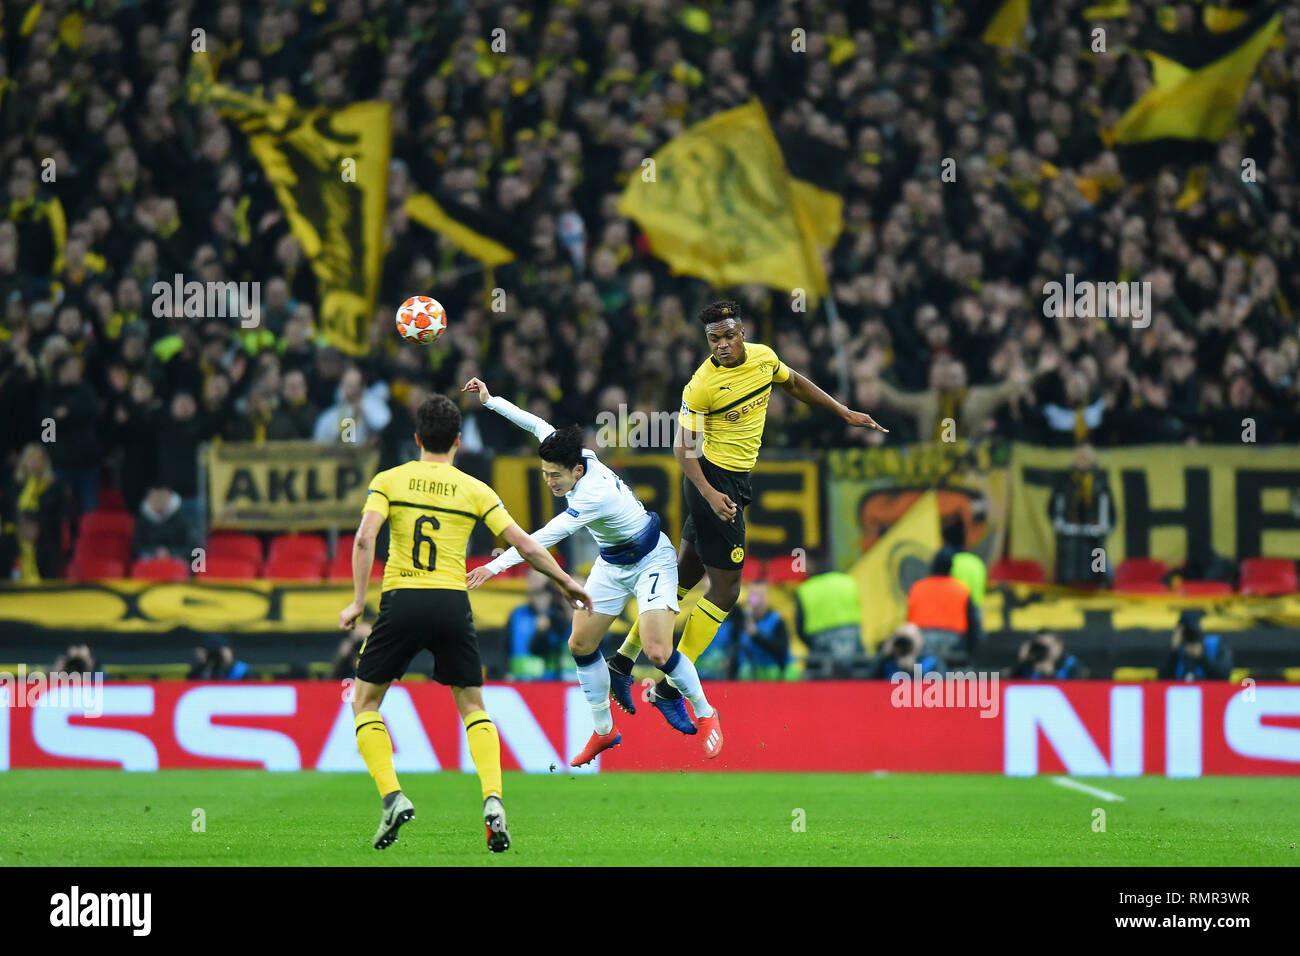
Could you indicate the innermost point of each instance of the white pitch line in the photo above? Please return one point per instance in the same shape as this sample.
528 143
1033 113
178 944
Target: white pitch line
1084 788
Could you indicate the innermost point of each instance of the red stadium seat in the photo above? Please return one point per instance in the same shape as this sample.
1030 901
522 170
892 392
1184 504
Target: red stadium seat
476 561
752 570
781 570
294 568
114 523
90 568
304 547
225 566
235 544
161 569
1139 571
1025 572
1268 577
110 499
1205 589
1142 587
340 568
103 545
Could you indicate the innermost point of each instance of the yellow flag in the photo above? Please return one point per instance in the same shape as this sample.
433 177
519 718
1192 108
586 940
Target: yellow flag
458 226
898 559
719 203
1197 83
1006 26
329 170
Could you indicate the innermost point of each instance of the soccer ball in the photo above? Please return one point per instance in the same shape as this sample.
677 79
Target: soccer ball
421 319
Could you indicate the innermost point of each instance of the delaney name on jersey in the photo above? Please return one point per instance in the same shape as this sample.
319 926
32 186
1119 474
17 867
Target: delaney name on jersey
433 487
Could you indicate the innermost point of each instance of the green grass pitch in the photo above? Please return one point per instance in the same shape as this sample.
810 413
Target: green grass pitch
110 818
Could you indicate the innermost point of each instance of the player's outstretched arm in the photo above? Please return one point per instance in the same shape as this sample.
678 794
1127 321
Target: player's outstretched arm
543 561
808 393
548 535
540 428
363 559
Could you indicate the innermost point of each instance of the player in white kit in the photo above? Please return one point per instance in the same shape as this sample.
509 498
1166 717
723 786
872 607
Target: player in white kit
636 560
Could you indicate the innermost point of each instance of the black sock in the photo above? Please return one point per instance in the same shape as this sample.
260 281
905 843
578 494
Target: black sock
621 663
391 798
666 691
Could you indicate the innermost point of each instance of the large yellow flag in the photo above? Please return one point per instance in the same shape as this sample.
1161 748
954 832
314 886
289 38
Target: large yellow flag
1196 84
898 559
329 170
719 203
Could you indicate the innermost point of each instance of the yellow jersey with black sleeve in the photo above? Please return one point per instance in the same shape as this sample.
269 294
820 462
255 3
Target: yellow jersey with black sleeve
431 507
729 405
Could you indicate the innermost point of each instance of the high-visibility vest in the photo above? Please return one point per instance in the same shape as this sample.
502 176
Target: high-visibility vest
970 571
829 601
938 602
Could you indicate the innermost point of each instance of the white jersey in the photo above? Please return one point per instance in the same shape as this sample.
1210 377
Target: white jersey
599 500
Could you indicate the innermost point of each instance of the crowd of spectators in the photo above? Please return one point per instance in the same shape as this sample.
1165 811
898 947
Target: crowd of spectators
113 181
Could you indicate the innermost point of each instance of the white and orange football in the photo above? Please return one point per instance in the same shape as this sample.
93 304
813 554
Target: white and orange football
421 319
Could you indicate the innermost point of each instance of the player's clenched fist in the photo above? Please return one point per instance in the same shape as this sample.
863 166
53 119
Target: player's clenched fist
348 616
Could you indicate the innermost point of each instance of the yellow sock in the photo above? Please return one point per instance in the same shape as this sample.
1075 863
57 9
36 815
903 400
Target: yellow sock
701 627
632 643
485 748
377 751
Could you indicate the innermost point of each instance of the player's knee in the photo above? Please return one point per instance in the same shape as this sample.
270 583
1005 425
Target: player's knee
658 656
577 648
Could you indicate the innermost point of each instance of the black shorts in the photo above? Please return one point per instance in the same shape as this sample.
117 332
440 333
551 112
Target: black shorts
720 544
416 619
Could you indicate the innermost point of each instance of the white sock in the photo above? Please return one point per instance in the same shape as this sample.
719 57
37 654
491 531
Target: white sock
681 674
593 675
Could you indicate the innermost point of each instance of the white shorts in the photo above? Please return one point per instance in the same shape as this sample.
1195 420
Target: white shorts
652 581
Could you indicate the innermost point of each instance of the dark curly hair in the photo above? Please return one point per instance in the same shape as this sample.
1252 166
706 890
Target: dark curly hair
563 447
437 423
720 312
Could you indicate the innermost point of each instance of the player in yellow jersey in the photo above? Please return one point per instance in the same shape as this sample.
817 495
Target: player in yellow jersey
724 408
431 507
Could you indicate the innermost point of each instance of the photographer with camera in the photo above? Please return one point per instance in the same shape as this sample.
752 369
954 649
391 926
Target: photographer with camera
903 653
539 632
1043 657
753 642
1194 655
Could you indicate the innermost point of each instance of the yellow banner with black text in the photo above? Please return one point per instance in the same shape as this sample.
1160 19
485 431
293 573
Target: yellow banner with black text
288 485
1170 501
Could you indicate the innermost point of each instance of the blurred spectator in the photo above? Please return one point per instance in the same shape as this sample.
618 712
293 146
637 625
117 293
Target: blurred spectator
73 407
538 631
904 653
179 436
1043 657
360 414
1082 513
943 609
753 642
214 659
828 619
1194 655
295 416
35 508
162 530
